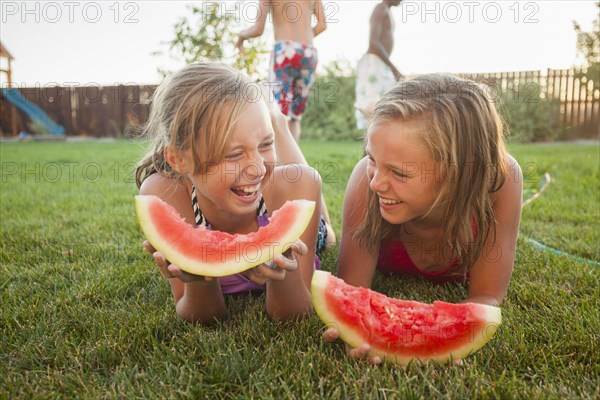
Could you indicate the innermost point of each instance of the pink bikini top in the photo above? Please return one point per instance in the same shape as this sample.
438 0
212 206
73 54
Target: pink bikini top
394 258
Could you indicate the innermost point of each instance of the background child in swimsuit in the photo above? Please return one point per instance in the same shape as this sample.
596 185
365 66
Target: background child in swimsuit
375 72
216 146
293 62
436 195
294 58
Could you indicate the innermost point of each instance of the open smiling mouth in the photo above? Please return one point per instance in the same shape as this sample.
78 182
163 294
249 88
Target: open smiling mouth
246 192
389 202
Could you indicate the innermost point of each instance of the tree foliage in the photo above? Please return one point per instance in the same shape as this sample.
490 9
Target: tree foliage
210 34
588 45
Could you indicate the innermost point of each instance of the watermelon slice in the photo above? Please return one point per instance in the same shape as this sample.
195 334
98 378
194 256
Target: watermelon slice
205 252
402 330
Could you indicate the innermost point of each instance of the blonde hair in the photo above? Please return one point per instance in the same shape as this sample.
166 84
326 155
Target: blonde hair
465 136
195 109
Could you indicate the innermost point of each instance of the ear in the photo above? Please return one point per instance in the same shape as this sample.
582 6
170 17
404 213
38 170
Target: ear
179 161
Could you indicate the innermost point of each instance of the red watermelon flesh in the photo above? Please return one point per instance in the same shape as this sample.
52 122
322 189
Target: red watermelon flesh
402 330
207 252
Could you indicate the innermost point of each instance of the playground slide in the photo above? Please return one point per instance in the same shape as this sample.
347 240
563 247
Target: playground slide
36 114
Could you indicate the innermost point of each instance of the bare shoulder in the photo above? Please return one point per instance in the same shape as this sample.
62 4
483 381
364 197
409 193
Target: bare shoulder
355 199
510 194
515 174
172 191
162 186
379 11
292 182
358 179
514 178
356 264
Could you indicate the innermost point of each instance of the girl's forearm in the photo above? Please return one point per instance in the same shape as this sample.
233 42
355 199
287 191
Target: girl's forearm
318 29
289 298
201 302
251 32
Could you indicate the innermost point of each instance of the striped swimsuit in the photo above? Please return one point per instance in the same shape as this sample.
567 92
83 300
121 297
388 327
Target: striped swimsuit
239 283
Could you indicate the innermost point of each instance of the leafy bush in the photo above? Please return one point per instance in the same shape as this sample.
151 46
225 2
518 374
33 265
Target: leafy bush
330 111
530 117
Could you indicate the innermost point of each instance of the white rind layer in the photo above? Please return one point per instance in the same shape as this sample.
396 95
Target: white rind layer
194 266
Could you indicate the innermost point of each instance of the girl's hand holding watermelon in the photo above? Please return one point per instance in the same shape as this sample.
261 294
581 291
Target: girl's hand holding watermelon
276 268
171 271
219 164
436 196
361 352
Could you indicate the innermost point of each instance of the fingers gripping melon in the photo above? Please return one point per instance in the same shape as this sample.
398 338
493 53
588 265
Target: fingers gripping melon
402 330
201 251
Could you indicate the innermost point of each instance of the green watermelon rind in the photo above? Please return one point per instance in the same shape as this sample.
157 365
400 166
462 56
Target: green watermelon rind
304 210
490 314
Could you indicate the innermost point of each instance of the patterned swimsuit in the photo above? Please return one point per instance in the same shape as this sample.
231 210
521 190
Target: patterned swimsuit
239 283
293 66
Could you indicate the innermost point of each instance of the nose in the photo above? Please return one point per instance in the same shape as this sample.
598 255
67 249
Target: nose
377 180
255 167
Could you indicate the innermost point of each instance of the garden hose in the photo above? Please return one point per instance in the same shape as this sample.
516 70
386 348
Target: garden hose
545 183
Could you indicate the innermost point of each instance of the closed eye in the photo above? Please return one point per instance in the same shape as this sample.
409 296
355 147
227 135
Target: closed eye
233 156
267 145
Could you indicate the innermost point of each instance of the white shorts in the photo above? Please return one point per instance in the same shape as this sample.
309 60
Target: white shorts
373 79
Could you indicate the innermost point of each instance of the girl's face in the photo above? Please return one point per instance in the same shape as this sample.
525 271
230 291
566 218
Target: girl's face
235 184
401 171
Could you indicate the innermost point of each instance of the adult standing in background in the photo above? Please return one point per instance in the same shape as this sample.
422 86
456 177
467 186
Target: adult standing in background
294 58
376 73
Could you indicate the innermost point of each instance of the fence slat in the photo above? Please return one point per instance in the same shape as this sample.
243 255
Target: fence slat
121 109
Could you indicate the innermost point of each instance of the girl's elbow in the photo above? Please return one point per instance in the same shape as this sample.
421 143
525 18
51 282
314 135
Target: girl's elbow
258 30
209 318
311 179
321 28
284 315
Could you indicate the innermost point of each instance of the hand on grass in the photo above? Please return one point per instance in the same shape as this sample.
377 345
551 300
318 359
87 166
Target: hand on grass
276 268
171 271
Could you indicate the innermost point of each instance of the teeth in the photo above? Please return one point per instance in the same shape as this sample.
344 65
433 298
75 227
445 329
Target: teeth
247 189
386 201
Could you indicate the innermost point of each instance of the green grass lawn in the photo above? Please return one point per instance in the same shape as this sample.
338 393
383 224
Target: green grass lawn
85 314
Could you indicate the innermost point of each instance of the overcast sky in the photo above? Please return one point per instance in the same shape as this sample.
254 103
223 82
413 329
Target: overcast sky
107 42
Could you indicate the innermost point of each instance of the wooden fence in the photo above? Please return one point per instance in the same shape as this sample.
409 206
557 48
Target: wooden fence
579 96
119 110
89 110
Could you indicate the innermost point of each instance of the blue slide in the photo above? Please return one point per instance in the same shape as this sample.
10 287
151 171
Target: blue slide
36 114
